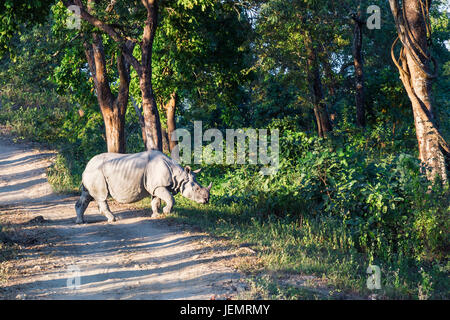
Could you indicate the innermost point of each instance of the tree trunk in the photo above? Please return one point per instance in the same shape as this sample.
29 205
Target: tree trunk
114 129
152 123
170 108
150 110
165 141
415 73
359 74
320 108
113 109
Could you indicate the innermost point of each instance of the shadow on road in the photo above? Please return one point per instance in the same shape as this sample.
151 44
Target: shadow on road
138 253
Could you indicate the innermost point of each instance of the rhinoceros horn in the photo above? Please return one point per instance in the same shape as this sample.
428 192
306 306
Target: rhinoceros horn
197 171
209 187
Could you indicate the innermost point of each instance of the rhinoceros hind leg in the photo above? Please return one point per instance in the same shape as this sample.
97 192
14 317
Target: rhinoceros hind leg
82 204
156 204
104 209
167 197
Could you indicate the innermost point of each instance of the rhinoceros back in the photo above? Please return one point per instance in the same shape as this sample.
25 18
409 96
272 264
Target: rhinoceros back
130 177
124 175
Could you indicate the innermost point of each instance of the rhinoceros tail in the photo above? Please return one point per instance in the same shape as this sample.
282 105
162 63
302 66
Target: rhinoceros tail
85 192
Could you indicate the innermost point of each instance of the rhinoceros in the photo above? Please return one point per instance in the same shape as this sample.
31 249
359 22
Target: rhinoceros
131 177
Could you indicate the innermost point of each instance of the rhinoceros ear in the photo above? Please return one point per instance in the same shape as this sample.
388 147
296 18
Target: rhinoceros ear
197 171
187 169
209 187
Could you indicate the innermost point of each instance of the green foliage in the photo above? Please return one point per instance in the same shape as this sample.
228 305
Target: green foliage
371 195
355 205
14 13
201 50
334 206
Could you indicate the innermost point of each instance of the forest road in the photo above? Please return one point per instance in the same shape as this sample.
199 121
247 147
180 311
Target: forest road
135 257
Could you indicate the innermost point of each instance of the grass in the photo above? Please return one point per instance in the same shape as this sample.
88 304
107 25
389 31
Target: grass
287 247
281 249
8 251
268 287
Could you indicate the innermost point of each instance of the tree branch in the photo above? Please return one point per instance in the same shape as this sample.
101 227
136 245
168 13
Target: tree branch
123 67
90 59
108 29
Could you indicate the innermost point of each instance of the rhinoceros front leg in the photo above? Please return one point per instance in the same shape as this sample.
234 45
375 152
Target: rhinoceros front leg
156 204
104 209
167 197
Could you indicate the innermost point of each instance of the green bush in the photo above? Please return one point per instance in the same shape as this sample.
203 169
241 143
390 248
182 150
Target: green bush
382 204
375 205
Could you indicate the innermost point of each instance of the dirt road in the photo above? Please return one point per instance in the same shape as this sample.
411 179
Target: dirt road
133 258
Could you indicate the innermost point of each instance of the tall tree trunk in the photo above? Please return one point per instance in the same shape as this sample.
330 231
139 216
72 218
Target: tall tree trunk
165 141
152 123
149 107
359 74
170 108
320 108
113 109
416 75
114 129
121 102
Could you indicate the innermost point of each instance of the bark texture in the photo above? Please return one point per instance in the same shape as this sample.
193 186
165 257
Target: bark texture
170 108
416 74
315 82
149 107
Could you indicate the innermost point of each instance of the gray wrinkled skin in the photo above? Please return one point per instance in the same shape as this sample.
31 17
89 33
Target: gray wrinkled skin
131 177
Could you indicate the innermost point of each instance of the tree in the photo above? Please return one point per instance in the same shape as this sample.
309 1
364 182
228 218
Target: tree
199 56
170 108
315 83
412 23
295 38
113 109
358 63
196 66
110 84
131 24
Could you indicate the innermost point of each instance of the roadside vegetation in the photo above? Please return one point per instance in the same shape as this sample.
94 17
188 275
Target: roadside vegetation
341 201
8 251
332 213
333 208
